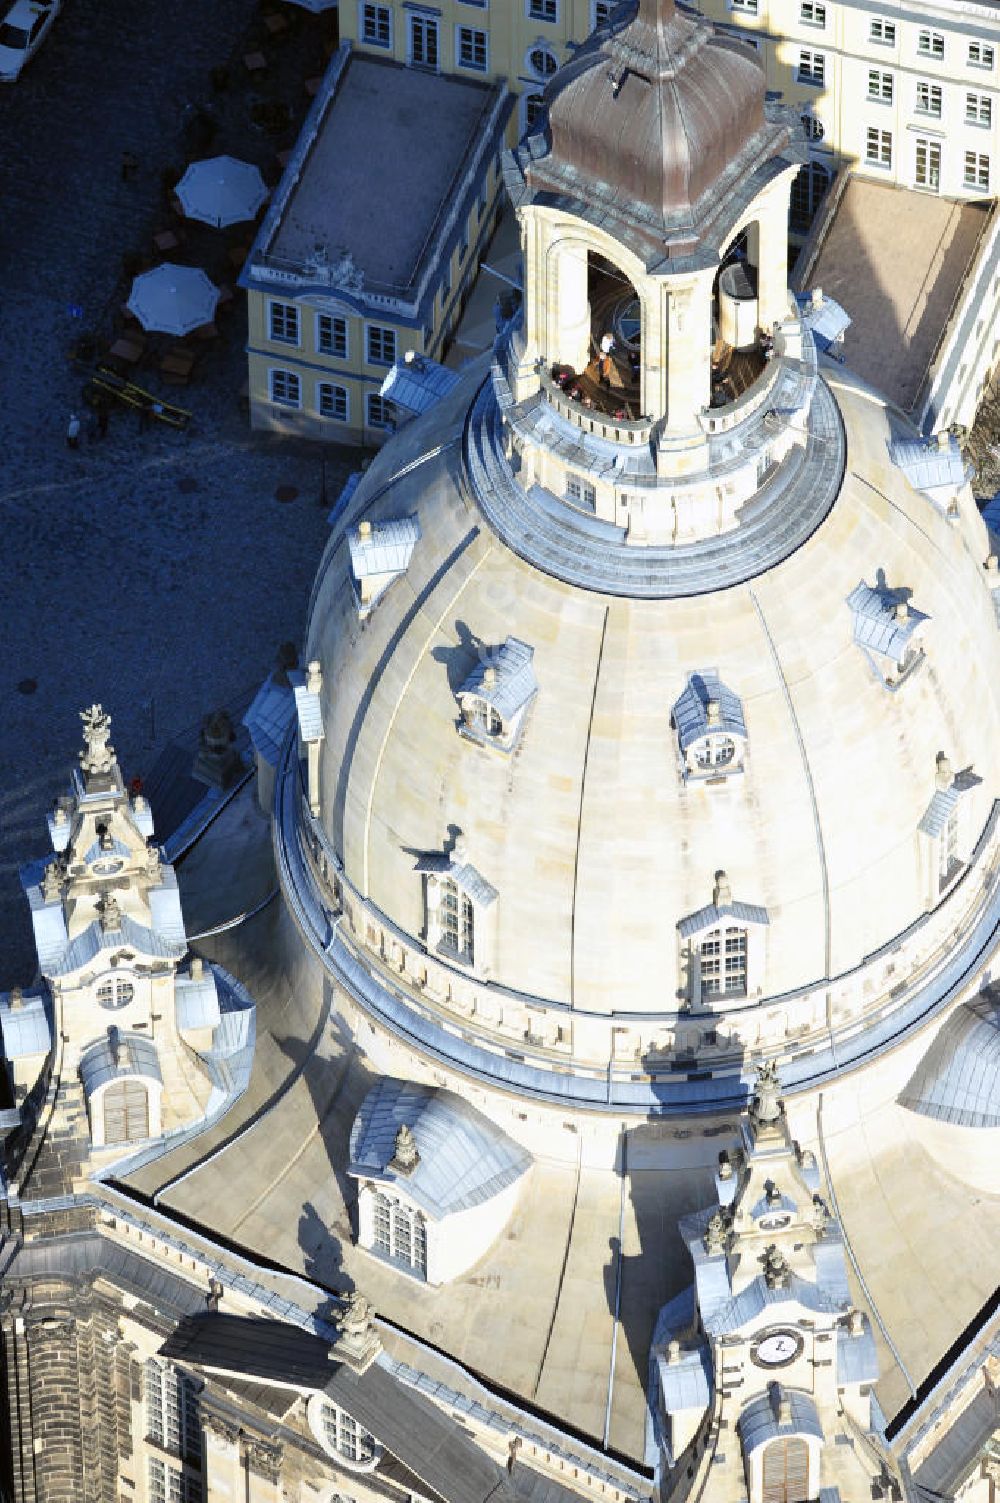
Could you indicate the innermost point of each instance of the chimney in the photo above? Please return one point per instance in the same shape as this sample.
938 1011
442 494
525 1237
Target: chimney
489 678
817 297
944 777
901 611
713 712
197 969
314 677
365 531
722 895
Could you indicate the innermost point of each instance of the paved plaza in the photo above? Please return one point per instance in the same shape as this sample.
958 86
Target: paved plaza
152 570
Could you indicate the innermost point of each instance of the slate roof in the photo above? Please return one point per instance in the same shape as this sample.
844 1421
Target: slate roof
268 718
310 715
514 683
25 1030
751 1301
857 1359
418 383
758 1422
464 1158
711 914
463 874
690 711
197 1001
827 322
944 800
83 1253
95 939
927 465
386 550
136 1056
958 1079
876 625
429 1442
947 1465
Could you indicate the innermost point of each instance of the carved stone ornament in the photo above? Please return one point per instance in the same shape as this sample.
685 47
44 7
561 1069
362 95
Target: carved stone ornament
52 882
357 1343
406 1156
110 911
263 1457
776 1270
357 1315
715 1235
97 756
766 1106
218 1425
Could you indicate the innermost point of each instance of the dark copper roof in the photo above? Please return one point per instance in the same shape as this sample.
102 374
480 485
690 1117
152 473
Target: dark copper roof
652 114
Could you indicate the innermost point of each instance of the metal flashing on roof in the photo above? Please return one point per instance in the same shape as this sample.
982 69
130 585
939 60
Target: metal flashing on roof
465 1159
386 549
958 1079
267 719
25 1029
505 679
687 1383
944 801
931 464
464 875
197 1001
310 714
824 317
417 382
711 915
760 1421
884 619
857 1359
690 711
118 1053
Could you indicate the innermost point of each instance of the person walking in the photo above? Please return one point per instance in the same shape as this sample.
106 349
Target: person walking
605 364
73 431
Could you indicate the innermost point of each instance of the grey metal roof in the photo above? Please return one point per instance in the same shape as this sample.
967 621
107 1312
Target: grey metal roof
514 683
876 624
958 1079
136 1056
25 1030
711 915
417 383
462 873
197 1001
827 322
464 1158
687 1383
165 911
268 718
936 814
310 714
948 1465
95 939
114 847
928 464
857 1359
690 711
387 549
91 1253
759 1421
757 1296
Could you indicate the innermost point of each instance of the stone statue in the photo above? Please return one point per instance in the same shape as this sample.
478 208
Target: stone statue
97 756
405 1157
715 1235
766 1105
356 1318
110 911
776 1270
819 1214
52 880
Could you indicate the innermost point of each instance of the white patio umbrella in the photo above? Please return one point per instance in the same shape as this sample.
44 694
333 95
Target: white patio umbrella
221 191
173 299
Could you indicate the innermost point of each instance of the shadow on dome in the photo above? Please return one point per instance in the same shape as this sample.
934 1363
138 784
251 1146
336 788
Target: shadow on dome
954 1094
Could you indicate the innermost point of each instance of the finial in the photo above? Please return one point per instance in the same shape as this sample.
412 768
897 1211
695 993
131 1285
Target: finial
314 676
715 1235
197 968
405 1157
673 1351
357 1341
364 530
214 1295
489 677
722 894
52 882
993 569
817 297
97 756
943 776
766 1105
901 611
460 850
776 1270
110 912
16 999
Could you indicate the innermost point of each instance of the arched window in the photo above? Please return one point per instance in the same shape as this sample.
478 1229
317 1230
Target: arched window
126 1111
785 1471
723 956
534 108
171 1400
457 922
344 1437
808 190
486 718
815 129
715 751
399 1232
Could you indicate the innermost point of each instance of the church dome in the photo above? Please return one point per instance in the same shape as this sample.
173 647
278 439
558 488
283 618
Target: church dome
600 842
654 114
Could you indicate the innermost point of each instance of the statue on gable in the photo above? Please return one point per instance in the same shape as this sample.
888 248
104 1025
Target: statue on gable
97 757
766 1105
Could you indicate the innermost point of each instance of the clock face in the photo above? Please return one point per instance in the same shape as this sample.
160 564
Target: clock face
773 1221
106 868
777 1349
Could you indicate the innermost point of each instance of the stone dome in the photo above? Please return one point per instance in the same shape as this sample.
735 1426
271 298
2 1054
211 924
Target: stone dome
596 846
655 113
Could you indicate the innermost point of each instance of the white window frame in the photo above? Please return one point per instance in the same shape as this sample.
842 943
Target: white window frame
882 32
280 313
932 102
279 375
388 419
981 55
473 35
398 1231
170 1405
532 106
813 13
426 27
978 109
881 86
542 10
811 68
333 417
169 1484
341 1435
338 326
601 12
581 491
976 171
932 176
458 923
379 12
115 992
878 147
723 959
744 7
542 49
930 43
381 336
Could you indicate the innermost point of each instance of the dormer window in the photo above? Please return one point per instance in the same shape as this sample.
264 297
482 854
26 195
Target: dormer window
380 553
723 949
945 826
889 630
711 732
460 908
497 694
933 465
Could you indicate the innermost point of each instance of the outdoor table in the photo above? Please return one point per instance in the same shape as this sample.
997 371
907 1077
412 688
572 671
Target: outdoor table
254 62
129 350
166 240
179 363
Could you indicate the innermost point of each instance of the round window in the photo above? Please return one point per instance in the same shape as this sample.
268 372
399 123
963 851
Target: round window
114 994
341 1436
543 62
814 129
